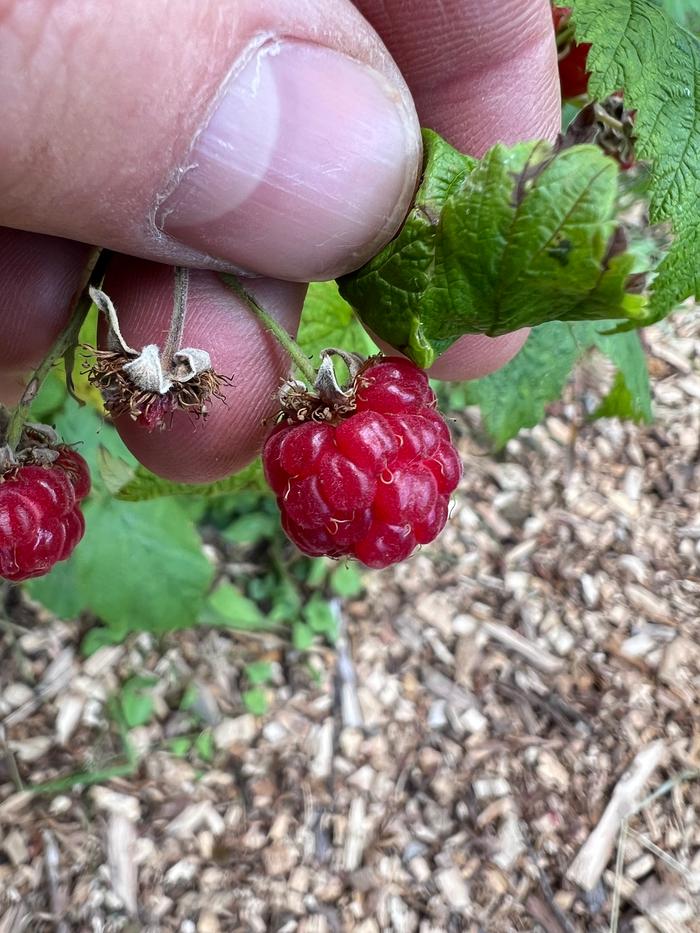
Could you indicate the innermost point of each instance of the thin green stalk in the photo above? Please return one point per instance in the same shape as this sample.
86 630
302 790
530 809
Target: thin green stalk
66 340
301 361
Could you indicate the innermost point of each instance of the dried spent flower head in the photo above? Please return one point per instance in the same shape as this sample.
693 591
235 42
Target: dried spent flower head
327 400
123 395
151 385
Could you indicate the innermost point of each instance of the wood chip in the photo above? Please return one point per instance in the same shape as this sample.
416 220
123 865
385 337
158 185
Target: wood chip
594 855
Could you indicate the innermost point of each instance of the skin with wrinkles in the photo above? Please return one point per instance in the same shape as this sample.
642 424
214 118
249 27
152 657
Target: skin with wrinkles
92 143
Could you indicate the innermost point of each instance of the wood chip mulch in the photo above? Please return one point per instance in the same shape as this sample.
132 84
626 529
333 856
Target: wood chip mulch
506 738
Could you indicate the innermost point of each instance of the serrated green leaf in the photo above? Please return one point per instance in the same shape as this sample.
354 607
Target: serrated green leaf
520 238
637 46
145 485
327 320
516 396
140 566
228 606
286 602
59 590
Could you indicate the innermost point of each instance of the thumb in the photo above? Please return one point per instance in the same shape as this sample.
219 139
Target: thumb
276 137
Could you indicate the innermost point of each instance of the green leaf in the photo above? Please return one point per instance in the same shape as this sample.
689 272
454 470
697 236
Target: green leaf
302 636
144 485
136 701
252 528
525 236
286 603
637 46
141 566
632 400
258 672
346 581
59 590
515 396
228 606
179 746
329 321
255 701
320 619
204 745
618 403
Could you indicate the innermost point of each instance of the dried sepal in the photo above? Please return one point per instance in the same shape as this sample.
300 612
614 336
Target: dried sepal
150 385
327 401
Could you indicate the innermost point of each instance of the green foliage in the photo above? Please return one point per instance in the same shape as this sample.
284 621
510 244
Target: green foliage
522 237
515 397
137 484
136 702
638 47
329 321
140 565
230 608
255 701
259 672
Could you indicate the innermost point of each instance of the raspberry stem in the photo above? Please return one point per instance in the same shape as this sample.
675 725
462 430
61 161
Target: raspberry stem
64 344
287 343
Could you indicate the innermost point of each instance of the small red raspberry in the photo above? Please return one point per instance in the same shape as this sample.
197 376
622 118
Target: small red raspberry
573 76
40 517
374 479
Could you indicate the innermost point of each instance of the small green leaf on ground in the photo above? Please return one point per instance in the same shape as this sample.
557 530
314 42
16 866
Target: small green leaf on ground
346 581
255 701
258 672
320 618
136 701
227 606
302 636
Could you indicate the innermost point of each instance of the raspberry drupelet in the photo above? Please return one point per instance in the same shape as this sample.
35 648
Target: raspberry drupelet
370 482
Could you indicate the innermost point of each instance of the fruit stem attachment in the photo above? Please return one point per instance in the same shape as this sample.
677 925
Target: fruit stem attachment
607 119
65 342
301 361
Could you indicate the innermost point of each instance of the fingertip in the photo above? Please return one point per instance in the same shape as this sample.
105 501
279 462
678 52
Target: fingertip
190 450
476 355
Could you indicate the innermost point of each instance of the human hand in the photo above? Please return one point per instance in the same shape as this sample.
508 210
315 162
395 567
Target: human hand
277 138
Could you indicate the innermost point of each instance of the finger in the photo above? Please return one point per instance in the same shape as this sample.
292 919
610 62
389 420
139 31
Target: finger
198 451
39 275
480 72
277 136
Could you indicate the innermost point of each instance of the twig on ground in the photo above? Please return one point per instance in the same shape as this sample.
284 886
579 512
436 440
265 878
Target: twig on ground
588 866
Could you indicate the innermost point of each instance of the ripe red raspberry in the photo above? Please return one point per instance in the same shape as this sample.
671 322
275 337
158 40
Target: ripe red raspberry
374 480
40 517
573 76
